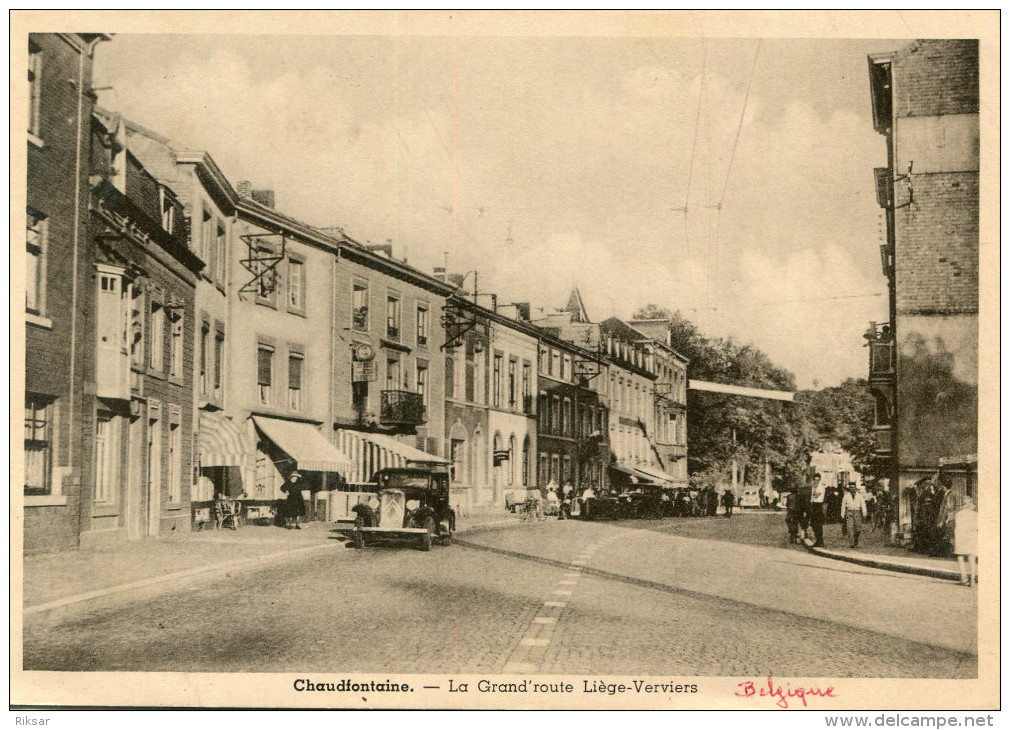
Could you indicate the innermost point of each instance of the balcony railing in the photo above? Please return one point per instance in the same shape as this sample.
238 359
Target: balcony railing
402 407
882 359
882 440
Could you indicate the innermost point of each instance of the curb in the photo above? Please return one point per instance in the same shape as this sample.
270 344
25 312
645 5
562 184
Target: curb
884 565
151 587
156 585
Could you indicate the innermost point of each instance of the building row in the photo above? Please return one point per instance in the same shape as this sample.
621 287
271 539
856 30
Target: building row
186 339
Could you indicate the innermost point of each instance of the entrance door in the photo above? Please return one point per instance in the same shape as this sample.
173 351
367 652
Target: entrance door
135 481
153 478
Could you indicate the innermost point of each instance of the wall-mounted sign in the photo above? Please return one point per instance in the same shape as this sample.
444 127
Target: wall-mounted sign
363 372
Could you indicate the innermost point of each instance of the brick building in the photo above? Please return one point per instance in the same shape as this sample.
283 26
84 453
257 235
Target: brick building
60 290
145 283
924 360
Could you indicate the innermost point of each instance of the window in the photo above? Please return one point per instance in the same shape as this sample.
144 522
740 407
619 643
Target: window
512 460
545 470
34 89
393 316
543 359
266 286
556 469
174 463
296 285
422 325
566 418
218 361
527 374
138 310
36 235
157 336
422 383
526 461
496 380
513 384
555 367
175 345
566 368
295 362
167 210
38 445
359 306
392 373
456 455
204 352
566 470
450 379
265 374
555 414
207 244
543 415
107 458
221 252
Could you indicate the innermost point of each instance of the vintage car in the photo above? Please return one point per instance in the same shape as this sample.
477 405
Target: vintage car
413 506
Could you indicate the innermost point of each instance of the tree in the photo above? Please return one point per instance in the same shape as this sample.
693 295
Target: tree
844 414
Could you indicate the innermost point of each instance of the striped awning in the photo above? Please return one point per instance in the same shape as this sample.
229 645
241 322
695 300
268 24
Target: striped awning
374 451
222 442
305 445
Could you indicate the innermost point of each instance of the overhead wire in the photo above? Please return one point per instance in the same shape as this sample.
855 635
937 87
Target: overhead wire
694 144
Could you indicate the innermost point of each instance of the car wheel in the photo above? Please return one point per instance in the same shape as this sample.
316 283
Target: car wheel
429 531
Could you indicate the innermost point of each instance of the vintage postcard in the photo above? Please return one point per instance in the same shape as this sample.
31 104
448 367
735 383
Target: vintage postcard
560 360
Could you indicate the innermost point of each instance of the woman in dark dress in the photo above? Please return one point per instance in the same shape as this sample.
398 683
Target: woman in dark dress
295 503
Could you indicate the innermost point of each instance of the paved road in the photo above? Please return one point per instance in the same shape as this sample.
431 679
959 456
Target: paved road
557 597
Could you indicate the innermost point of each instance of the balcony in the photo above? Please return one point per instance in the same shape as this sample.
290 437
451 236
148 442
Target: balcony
402 407
882 440
882 359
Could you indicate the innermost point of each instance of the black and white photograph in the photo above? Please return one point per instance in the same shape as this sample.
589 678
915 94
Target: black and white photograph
506 359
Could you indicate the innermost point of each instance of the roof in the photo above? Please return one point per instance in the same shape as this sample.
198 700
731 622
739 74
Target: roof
576 306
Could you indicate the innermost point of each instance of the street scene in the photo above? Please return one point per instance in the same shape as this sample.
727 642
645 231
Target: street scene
463 354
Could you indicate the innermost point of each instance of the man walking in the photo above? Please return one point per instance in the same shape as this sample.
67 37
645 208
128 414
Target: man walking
817 494
853 512
727 502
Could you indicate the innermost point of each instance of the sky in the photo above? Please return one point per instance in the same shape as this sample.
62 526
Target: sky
547 163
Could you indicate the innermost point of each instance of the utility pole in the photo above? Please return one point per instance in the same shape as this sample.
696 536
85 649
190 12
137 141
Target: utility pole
734 465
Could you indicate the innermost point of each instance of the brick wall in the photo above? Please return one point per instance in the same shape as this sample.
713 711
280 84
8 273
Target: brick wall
936 245
935 77
51 186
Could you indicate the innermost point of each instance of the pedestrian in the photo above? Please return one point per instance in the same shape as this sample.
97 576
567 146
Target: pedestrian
727 501
294 505
713 502
966 542
853 513
792 516
817 494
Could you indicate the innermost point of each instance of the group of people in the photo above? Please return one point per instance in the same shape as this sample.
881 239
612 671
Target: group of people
566 501
805 511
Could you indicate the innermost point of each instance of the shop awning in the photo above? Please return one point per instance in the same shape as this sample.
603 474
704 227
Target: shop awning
373 451
303 443
222 442
655 475
630 473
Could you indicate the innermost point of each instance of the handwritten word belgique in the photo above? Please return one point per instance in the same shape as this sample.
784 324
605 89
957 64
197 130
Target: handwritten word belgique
747 689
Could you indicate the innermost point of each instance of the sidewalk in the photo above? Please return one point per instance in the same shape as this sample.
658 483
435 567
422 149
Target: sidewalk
57 582
875 551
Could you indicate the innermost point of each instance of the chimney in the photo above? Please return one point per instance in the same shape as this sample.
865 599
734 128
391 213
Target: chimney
264 197
243 188
522 311
439 273
456 280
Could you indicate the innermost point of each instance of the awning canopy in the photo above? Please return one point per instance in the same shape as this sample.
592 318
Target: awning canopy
630 473
221 441
374 451
655 475
305 445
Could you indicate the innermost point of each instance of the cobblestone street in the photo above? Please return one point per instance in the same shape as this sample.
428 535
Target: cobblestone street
556 597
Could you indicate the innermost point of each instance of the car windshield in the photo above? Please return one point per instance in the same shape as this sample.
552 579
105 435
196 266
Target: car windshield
400 481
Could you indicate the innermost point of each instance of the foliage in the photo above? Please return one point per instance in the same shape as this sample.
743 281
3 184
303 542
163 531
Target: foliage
754 430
